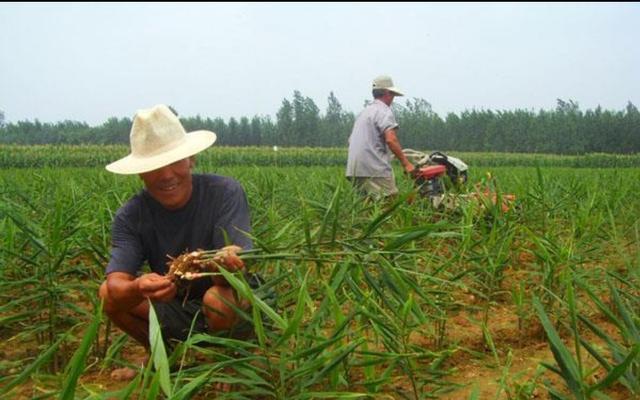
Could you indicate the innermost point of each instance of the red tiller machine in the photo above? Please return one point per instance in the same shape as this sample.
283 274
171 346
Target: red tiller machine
433 170
436 173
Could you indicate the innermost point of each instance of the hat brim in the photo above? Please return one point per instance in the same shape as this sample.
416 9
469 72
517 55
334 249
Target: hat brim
194 143
396 91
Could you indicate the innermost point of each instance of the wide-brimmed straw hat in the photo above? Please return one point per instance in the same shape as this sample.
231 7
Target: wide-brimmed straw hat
385 82
158 139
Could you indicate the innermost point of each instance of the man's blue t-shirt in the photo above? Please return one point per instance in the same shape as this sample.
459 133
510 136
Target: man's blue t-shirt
143 230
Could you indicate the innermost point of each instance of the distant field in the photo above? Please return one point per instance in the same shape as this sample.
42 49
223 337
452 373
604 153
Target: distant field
13 156
375 300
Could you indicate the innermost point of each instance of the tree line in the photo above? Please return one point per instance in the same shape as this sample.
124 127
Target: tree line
565 130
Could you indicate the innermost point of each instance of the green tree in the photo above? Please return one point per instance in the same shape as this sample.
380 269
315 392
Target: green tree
418 124
565 129
113 131
284 124
567 120
306 121
257 130
631 129
244 132
218 126
336 124
232 133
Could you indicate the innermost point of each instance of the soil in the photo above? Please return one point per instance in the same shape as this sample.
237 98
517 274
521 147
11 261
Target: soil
512 372
473 367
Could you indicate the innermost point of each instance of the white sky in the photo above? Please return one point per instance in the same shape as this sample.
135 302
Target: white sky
89 62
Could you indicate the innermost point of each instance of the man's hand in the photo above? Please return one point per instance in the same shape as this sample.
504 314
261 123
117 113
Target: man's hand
393 143
228 257
411 170
156 287
412 173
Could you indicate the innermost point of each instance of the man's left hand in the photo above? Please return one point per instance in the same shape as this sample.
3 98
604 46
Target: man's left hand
228 257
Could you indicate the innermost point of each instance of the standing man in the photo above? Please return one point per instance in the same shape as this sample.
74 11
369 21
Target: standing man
174 213
373 137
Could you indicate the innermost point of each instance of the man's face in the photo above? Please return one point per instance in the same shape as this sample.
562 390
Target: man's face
388 97
171 185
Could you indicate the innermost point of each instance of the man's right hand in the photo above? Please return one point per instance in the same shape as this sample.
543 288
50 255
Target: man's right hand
156 287
412 171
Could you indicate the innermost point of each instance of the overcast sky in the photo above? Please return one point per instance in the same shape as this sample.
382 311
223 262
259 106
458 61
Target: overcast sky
89 62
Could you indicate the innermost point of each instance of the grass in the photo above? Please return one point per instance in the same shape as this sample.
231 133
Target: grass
369 294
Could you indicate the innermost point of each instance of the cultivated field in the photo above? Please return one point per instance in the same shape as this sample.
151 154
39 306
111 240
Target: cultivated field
374 299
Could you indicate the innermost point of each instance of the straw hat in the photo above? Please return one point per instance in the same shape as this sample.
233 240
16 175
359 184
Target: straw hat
385 82
158 139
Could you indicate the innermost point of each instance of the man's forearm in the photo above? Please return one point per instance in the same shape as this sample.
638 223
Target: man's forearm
124 290
396 148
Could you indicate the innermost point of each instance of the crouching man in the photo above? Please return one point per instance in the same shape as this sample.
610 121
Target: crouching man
175 212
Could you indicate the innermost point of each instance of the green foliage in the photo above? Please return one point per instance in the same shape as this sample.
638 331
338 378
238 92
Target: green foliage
18 156
365 290
76 365
570 365
565 130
